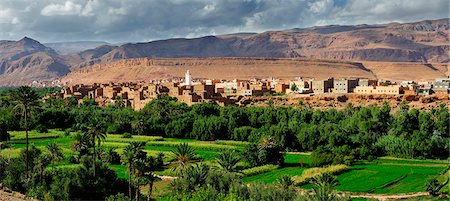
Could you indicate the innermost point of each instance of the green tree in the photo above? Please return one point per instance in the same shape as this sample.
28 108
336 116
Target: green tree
184 154
294 87
26 100
55 152
95 133
323 187
40 163
130 154
433 187
227 161
285 182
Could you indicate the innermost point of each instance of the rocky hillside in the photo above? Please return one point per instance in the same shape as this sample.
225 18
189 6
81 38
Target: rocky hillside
75 46
424 42
28 60
144 69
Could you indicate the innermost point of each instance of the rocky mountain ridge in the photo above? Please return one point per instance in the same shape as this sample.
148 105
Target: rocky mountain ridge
427 41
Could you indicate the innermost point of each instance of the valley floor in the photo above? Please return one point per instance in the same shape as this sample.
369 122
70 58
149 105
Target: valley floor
382 178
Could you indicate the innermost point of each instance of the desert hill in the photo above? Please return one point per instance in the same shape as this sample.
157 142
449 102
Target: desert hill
425 41
74 46
27 60
144 69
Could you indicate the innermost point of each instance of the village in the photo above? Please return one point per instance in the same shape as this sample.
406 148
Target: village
228 92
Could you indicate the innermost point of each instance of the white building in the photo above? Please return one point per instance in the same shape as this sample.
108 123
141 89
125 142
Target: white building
187 78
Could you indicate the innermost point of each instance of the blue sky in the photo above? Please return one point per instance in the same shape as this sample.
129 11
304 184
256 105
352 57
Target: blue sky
145 20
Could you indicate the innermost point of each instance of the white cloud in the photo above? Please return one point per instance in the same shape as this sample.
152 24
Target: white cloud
141 20
68 8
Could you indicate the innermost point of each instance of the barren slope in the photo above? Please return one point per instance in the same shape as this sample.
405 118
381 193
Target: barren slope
399 71
218 68
425 41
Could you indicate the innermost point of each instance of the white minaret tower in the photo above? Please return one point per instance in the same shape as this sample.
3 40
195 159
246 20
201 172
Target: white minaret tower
187 78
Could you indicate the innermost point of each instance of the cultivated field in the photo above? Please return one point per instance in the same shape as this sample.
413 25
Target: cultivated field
381 176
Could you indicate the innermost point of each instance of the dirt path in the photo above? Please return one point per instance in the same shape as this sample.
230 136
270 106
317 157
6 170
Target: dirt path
389 196
13 196
163 177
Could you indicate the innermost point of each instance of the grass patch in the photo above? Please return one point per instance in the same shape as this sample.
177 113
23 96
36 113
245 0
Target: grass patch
196 145
135 138
272 176
231 142
297 159
121 170
409 161
259 170
308 174
364 178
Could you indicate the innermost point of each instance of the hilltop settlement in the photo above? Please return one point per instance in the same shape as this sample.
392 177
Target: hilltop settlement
228 92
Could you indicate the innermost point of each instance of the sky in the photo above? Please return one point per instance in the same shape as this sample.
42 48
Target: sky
118 21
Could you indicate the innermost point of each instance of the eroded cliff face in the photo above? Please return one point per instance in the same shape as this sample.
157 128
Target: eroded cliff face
136 70
27 60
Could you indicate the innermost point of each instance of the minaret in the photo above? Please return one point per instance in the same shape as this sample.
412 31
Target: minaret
187 78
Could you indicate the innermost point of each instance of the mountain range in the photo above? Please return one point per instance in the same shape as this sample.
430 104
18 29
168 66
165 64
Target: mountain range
28 60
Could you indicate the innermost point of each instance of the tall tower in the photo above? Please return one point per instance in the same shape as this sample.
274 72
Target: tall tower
187 78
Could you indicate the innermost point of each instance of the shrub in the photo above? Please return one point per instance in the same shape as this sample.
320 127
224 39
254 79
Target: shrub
259 170
242 133
267 151
118 197
126 135
41 129
67 132
308 174
73 159
112 129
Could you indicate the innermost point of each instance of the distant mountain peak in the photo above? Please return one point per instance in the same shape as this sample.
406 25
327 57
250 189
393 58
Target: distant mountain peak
28 40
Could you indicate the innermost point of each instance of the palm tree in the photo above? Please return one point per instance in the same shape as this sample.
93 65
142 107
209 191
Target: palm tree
55 151
184 154
323 187
138 126
26 99
228 161
92 134
433 187
285 182
41 162
325 181
130 153
140 167
196 176
151 178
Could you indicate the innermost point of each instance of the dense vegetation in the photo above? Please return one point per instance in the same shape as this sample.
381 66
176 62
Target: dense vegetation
264 133
352 133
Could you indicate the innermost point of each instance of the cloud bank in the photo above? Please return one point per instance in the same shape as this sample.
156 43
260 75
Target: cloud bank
146 20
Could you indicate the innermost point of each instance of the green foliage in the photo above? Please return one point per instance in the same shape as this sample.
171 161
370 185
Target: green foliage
227 161
118 197
41 129
127 135
184 154
54 152
433 186
311 173
242 133
259 170
268 151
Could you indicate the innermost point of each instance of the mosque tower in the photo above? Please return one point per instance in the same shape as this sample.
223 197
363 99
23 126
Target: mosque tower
187 78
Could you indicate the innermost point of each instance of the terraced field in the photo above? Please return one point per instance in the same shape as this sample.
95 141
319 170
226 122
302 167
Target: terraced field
382 176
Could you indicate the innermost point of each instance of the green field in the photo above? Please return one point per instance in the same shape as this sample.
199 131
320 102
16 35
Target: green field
384 175
374 178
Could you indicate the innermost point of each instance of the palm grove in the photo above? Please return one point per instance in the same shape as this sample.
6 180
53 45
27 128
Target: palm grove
333 137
